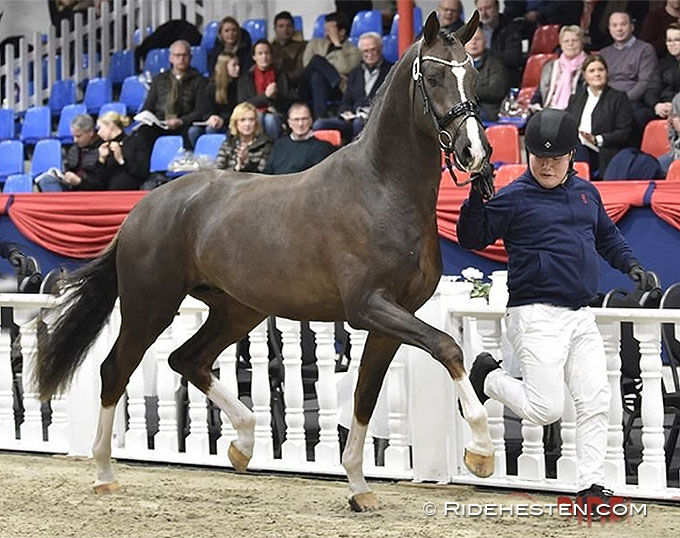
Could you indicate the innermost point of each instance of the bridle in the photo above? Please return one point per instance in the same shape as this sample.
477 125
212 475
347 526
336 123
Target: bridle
464 110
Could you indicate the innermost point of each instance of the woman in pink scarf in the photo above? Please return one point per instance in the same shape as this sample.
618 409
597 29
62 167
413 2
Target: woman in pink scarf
560 78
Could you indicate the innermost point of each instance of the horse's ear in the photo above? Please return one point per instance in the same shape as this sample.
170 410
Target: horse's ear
466 32
431 28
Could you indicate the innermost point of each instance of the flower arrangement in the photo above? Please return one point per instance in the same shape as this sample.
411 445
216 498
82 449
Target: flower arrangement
479 287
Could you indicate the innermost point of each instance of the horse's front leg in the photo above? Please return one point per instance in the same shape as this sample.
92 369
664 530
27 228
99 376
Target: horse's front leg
380 314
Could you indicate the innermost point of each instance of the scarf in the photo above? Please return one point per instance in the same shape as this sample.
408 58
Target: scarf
568 69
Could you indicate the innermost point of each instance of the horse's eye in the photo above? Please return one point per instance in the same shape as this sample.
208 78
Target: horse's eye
432 80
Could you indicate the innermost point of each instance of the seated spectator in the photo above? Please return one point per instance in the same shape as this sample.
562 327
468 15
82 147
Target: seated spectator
80 168
673 136
287 50
449 14
327 62
605 117
266 89
656 22
631 65
492 82
123 162
560 78
300 150
362 84
176 97
231 38
595 19
665 82
221 97
248 148
502 37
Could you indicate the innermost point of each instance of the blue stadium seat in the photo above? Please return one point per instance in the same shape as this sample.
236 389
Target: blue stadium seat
122 66
366 21
62 93
319 30
297 23
257 28
157 60
98 92
209 144
199 60
137 35
37 124
417 23
133 94
47 154
164 150
209 35
7 127
116 106
391 48
18 183
67 114
12 161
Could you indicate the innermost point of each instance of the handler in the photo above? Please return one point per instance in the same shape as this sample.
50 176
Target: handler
554 225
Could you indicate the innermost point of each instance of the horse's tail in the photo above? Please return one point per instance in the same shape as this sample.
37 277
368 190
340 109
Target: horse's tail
90 295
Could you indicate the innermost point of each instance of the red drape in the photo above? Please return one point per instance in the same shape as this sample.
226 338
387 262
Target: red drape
666 202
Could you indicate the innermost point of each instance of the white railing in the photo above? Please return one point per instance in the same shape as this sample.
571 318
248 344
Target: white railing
416 423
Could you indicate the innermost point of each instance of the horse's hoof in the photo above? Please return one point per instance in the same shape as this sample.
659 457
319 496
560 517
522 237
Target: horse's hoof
237 458
479 464
364 502
107 488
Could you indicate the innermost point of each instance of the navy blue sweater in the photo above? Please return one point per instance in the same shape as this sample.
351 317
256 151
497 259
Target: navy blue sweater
552 237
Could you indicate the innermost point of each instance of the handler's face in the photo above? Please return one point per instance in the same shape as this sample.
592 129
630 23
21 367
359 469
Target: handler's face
549 171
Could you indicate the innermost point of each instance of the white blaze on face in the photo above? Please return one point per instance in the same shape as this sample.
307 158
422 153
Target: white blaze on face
471 125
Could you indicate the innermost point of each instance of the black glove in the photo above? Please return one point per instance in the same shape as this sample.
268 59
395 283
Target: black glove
482 182
644 279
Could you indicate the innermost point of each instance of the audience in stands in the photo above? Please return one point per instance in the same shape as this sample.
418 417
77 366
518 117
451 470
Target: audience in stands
538 12
265 88
221 97
327 62
665 81
656 22
605 117
231 38
300 150
595 19
503 37
287 50
248 148
493 82
631 64
362 84
176 97
123 162
165 35
80 167
673 136
449 13
561 78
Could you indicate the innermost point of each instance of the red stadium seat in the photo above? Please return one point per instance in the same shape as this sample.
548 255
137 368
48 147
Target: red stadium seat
532 69
655 138
525 94
674 171
582 169
506 173
546 39
505 142
332 136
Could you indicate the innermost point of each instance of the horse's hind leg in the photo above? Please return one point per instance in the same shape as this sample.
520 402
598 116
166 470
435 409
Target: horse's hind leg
378 354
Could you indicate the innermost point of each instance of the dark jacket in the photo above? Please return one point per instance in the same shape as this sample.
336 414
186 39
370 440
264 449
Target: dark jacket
612 118
493 84
665 82
355 94
287 59
506 43
258 154
191 96
244 52
552 236
133 172
290 156
212 107
83 162
246 92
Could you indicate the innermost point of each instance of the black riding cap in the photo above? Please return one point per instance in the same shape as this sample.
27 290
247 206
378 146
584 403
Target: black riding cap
551 133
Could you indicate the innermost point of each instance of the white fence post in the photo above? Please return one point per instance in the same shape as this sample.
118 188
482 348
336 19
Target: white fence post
261 394
567 465
397 454
32 427
293 449
7 426
167 438
614 463
227 364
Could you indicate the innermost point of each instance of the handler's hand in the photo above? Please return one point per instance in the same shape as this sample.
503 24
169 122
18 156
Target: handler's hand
644 279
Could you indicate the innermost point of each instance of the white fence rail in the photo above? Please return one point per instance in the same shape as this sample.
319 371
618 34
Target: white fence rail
416 432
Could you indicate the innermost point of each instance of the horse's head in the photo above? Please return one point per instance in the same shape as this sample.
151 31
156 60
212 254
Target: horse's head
447 81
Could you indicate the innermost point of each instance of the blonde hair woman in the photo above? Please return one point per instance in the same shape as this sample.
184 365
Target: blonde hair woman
247 149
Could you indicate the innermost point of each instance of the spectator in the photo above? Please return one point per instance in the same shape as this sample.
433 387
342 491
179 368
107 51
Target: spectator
631 65
658 20
231 38
605 117
492 82
595 19
560 78
362 84
666 80
287 51
80 169
300 150
449 13
502 37
327 62
165 35
221 97
673 136
176 97
123 162
248 148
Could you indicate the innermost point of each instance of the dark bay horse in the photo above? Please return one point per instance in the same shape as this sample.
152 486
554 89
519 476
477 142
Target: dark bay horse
353 238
